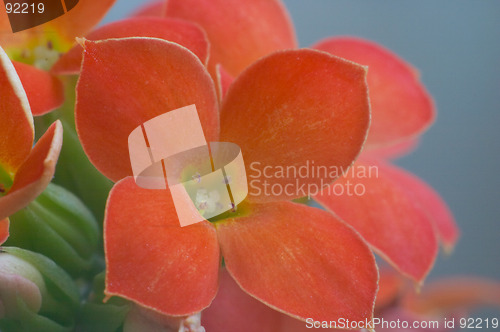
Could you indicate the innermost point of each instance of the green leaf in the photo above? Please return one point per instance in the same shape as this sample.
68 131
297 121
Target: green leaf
58 203
31 230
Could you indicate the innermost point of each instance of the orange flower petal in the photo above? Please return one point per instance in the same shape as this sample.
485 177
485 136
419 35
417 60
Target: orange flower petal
390 287
397 227
4 21
457 293
424 195
16 125
125 82
45 92
402 108
235 310
154 8
240 32
82 18
224 80
4 230
392 151
295 109
153 261
35 173
301 261
177 31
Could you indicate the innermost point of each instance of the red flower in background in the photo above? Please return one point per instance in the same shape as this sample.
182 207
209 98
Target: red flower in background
53 37
35 50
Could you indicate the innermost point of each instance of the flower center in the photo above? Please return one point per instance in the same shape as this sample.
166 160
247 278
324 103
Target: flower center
242 210
41 51
45 56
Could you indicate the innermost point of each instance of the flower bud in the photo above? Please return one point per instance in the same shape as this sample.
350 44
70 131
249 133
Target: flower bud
19 280
58 225
35 294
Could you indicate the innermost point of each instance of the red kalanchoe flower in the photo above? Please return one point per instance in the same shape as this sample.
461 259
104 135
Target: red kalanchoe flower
297 111
25 170
400 216
280 111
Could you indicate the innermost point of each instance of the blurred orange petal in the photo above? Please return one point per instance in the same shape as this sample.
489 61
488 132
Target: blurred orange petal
240 32
4 21
390 287
45 92
401 106
235 310
16 125
150 259
396 226
454 293
82 18
177 31
301 261
392 151
159 76
4 230
296 108
35 173
430 201
224 80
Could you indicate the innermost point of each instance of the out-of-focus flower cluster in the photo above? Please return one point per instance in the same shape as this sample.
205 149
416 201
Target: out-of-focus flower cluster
84 248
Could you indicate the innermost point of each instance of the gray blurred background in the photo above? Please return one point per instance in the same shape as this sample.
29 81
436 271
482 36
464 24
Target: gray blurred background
456 46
